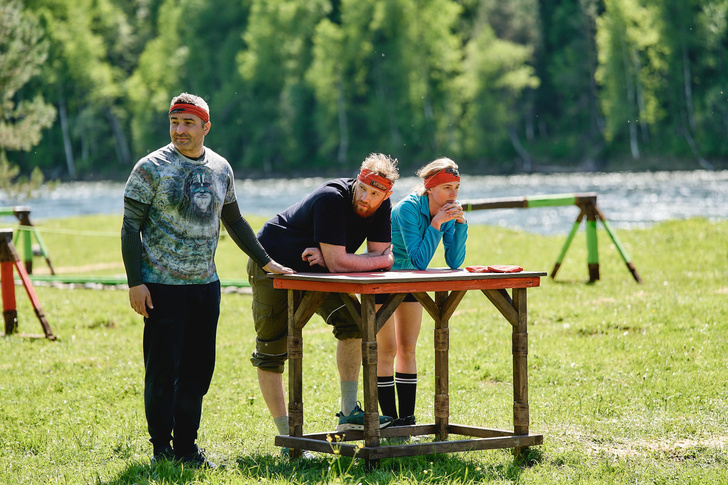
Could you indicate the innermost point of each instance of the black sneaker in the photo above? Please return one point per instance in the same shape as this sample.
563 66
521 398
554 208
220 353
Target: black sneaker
165 453
196 459
406 421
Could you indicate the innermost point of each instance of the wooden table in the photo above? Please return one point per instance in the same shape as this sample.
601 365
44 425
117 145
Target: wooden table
306 291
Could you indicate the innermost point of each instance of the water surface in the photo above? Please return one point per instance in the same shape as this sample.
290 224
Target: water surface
627 199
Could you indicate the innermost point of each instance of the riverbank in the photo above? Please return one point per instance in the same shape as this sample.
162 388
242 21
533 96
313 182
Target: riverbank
628 199
646 164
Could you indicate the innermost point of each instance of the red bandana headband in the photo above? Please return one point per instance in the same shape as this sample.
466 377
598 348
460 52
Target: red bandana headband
190 108
442 177
377 181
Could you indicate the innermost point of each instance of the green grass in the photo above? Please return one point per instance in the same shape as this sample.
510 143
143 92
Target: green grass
627 381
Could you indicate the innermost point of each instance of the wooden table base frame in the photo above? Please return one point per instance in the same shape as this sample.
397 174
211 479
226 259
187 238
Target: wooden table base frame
307 291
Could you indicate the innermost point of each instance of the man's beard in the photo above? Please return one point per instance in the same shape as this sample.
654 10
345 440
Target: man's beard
363 211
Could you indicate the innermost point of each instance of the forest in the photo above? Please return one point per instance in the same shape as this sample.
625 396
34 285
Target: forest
301 87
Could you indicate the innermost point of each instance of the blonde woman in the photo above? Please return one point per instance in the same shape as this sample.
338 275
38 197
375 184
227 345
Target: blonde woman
419 222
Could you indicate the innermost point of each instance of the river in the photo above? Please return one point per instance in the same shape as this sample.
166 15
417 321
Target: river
628 200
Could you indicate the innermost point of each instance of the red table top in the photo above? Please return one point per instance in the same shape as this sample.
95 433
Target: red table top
405 281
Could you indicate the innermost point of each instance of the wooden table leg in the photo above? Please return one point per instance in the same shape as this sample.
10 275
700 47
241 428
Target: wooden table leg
520 367
369 365
295 373
442 345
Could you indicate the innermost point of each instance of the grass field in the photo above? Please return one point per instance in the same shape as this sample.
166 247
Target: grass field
627 381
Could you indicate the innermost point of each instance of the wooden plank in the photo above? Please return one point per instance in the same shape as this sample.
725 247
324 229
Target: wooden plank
388 308
307 307
319 446
354 307
495 203
358 435
503 303
411 286
439 447
377 277
477 431
413 449
451 304
413 430
428 304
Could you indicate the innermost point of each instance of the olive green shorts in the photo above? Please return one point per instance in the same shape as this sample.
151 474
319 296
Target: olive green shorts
270 315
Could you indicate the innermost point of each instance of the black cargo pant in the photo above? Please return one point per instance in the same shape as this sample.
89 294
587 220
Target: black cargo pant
179 360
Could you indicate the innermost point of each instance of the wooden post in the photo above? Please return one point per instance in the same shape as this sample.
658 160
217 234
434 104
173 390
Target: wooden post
442 346
9 258
369 365
295 372
520 366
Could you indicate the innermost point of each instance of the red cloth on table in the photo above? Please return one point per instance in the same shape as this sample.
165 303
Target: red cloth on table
495 268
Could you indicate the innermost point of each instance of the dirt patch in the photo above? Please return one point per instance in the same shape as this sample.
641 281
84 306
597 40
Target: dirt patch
674 448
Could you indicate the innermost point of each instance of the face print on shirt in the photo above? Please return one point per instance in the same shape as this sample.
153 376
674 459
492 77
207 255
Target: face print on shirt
198 202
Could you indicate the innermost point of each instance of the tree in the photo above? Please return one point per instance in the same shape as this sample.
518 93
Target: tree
90 54
22 53
384 78
711 70
631 65
277 101
160 73
495 74
682 36
569 123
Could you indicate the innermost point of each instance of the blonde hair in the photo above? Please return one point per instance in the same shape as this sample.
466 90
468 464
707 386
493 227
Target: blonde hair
382 165
431 169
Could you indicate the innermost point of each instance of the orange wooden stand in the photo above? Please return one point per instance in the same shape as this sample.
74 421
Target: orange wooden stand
8 259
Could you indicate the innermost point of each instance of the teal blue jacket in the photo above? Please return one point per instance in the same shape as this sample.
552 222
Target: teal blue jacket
414 240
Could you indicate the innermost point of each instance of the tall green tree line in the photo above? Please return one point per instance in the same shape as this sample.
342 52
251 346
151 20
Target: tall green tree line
302 86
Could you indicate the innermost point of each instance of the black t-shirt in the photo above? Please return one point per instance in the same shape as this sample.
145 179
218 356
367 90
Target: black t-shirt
326 215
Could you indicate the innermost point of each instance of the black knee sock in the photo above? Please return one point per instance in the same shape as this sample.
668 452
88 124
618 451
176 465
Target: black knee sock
385 388
406 393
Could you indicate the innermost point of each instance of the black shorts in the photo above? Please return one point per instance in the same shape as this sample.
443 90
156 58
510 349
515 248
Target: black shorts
381 297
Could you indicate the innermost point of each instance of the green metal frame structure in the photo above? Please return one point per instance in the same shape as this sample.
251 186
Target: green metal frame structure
23 237
587 203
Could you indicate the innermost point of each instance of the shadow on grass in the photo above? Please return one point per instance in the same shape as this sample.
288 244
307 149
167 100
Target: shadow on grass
326 468
139 473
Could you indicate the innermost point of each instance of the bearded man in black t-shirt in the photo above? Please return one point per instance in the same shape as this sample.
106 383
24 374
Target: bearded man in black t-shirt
322 233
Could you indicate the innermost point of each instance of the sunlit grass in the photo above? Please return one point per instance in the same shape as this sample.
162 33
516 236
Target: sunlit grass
627 381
